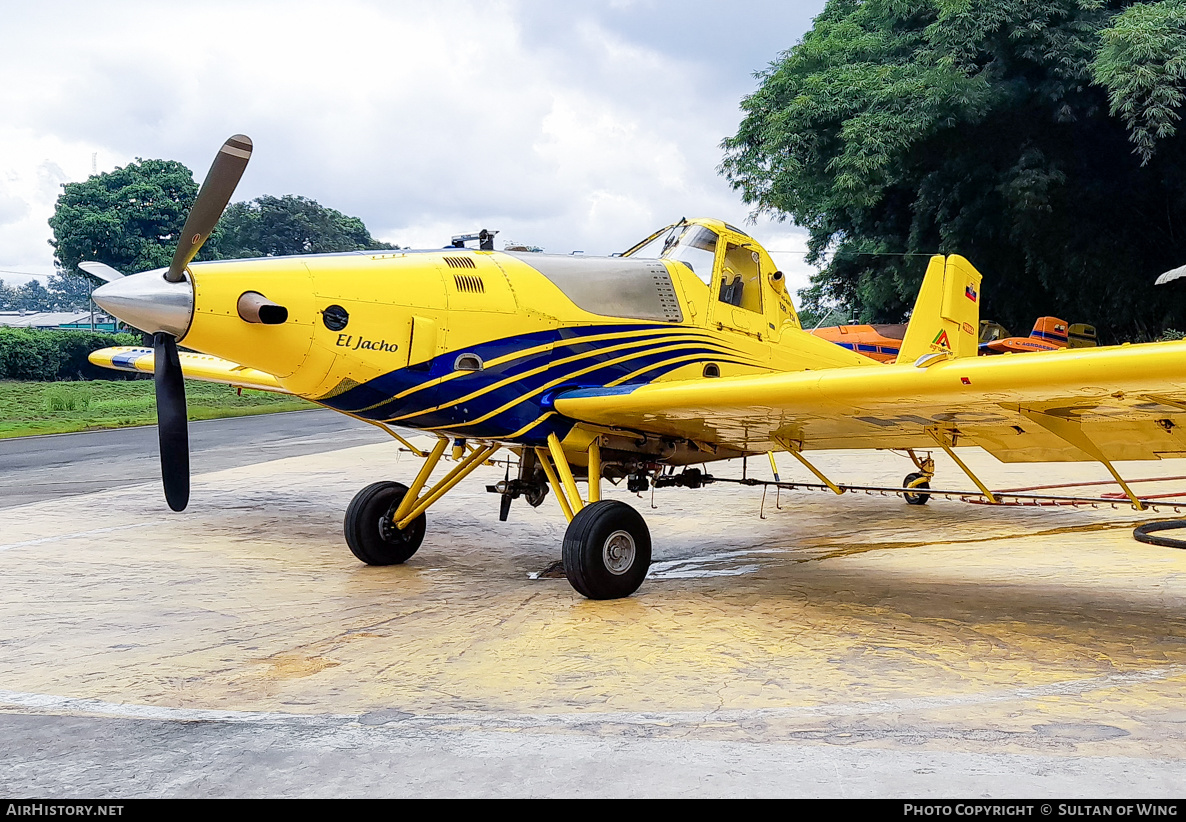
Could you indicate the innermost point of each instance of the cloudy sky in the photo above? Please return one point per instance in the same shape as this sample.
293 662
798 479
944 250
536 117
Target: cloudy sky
568 126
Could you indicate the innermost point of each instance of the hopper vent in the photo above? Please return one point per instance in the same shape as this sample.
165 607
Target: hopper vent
469 283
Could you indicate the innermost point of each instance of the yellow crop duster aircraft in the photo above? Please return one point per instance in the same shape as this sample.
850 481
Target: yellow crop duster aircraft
683 350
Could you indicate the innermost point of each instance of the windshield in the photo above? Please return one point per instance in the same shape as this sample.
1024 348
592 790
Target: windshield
693 245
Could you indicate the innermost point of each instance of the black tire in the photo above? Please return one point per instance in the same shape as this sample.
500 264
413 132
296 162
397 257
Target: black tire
915 499
1144 533
607 550
371 535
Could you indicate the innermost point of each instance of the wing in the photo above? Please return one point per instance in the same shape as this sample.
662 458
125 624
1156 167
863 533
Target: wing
193 366
1119 403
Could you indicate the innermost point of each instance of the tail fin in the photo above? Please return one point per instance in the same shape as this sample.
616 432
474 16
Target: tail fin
946 315
1051 330
991 332
1081 335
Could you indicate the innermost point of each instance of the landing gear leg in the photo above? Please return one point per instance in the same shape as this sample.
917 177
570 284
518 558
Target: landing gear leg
385 521
607 547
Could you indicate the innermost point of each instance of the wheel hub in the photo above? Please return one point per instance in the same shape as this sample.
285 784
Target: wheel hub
387 529
618 552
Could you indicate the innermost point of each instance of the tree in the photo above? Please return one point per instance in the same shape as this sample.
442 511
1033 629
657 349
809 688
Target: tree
33 296
275 226
63 294
71 293
128 218
1142 64
1038 139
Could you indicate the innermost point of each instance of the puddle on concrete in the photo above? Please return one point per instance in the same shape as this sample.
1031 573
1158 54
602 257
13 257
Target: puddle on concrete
708 565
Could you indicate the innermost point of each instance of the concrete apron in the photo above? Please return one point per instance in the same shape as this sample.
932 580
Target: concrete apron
855 620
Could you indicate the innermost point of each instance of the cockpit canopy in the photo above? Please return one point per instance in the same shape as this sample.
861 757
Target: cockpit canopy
689 243
710 248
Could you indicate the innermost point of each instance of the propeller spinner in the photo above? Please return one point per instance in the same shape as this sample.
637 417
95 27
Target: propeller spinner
163 306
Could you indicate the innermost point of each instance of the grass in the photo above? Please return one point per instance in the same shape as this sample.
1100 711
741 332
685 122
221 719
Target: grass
28 408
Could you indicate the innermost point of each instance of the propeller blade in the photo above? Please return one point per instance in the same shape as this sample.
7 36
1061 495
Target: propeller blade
212 200
101 270
172 426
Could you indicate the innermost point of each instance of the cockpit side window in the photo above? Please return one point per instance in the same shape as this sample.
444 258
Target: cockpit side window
741 280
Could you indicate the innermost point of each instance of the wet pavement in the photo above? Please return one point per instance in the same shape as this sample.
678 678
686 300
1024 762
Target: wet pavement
842 646
63 465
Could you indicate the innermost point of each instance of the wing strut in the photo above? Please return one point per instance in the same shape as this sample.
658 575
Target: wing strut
795 448
941 438
1072 433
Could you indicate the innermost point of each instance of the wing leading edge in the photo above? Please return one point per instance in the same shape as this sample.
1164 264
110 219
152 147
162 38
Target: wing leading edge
193 366
1121 403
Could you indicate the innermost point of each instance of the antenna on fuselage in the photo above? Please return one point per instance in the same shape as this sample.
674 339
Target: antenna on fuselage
485 239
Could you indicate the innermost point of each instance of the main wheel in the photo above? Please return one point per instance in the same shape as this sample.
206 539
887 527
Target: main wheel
607 550
371 534
910 482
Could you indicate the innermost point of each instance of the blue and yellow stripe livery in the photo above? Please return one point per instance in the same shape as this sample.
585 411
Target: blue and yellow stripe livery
477 344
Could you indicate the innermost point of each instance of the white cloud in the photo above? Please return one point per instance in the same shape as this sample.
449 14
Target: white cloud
567 127
33 167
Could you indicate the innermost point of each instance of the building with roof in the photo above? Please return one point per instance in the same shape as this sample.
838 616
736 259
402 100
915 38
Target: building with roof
58 320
